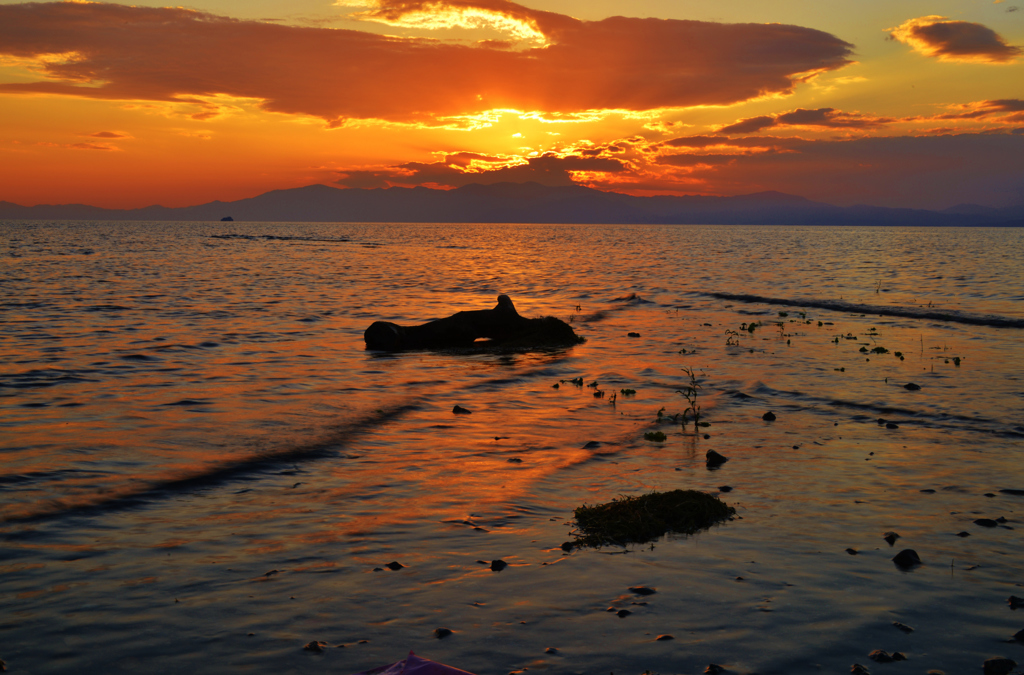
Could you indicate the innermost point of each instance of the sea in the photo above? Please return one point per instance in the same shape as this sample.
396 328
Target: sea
204 470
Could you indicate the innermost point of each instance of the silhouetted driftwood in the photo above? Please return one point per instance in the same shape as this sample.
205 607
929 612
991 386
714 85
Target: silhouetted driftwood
501 326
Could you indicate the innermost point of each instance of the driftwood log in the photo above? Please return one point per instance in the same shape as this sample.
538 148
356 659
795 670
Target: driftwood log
501 326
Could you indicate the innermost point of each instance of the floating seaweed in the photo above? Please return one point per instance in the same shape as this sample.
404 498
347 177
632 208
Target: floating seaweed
638 520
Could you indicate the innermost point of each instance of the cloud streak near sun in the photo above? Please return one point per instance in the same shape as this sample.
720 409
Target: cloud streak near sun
117 52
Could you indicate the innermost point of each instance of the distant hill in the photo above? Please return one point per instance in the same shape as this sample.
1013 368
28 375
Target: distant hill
524 203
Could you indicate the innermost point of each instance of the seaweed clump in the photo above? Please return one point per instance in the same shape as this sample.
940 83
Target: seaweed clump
637 520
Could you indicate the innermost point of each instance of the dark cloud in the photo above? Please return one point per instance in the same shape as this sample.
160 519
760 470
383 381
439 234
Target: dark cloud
173 54
821 117
548 169
950 40
1007 108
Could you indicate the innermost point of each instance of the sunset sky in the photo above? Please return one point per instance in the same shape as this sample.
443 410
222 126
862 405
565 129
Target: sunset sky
915 103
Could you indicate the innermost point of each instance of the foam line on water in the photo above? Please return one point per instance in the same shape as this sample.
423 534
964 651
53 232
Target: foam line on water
954 316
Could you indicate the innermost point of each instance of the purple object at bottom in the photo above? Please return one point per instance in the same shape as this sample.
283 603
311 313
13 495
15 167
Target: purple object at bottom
414 665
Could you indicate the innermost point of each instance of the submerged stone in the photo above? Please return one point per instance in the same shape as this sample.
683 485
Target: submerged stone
768 416
907 558
910 386
714 459
890 537
642 590
998 666
317 646
441 633
498 565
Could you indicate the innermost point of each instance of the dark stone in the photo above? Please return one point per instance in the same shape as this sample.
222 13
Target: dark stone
851 551
725 488
986 522
881 656
442 633
927 491
666 636
551 650
317 646
1019 493
502 326
903 627
715 460
858 669
768 416
459 410
1019 636
394 565
714 669
1001 519
963 534
567 546
890 537
907 558
998 666
622 613
891 425
1015 602
642 590
910 386
227 219
592 444
498 565
514 460
633 334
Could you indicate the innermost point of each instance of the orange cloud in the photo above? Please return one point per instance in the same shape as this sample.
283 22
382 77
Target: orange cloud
949 40
822 117
1007 110
118 52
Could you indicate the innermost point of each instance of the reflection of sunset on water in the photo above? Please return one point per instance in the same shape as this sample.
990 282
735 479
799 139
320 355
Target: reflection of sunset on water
196 419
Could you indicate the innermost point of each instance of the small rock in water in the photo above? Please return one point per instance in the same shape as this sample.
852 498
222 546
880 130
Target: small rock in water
858 669
666 636
725 488
394 565
633 334
317 646
623 613
713 669
1013 492
998 666
768 416
551 650
910 386
851 551
882 656
642 590
891 425
715 460
459 410
1001 519
441 633
907 558
498 565
986 522
592 444
962 534
567 546
890 537
514 460
1015 602
1019 635
903 627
